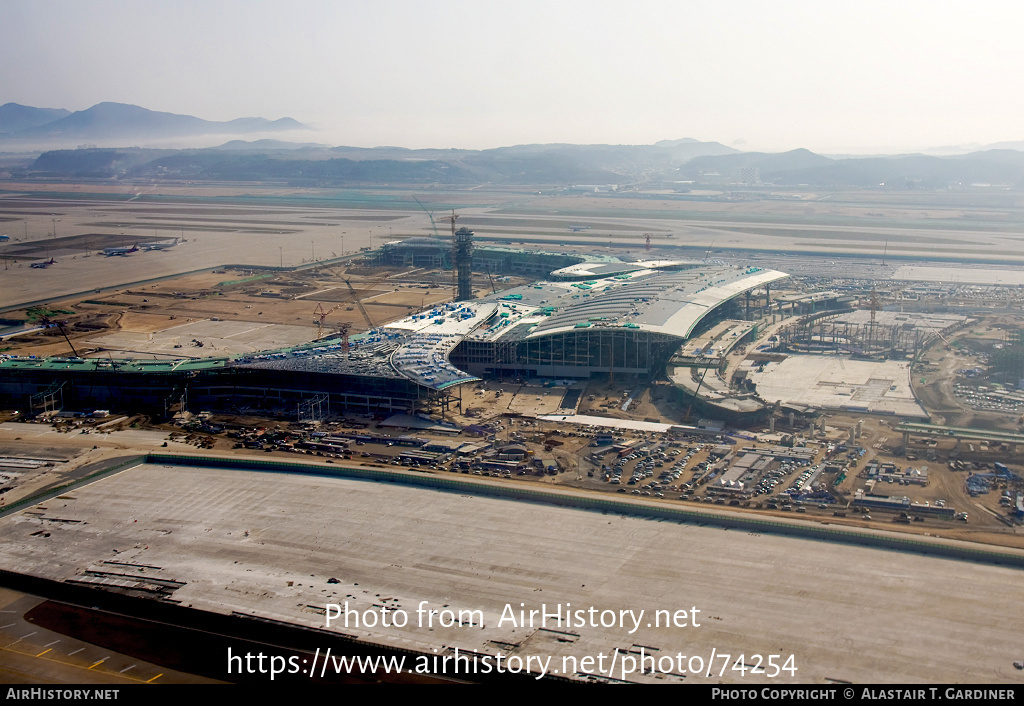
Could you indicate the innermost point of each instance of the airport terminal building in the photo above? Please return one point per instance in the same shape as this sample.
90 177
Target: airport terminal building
586 320
627 322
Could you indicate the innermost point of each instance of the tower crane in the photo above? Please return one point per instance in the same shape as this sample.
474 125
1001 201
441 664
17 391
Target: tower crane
343 328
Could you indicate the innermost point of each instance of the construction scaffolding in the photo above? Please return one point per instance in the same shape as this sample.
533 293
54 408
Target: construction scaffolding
49 400
313 409
826 335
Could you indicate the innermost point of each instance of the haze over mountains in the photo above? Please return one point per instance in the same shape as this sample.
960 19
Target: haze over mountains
678 165
20 124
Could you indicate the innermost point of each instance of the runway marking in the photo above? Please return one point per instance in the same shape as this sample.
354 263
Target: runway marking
51 643
132 666
42 656
310 294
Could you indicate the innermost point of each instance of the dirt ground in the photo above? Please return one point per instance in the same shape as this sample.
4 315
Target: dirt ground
302 299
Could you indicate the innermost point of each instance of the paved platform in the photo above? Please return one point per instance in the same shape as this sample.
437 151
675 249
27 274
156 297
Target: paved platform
270 543
838 382
218 338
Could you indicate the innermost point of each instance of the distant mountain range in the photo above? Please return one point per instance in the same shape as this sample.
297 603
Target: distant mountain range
311 164
14 117
674 165
583 167
799 167
130 123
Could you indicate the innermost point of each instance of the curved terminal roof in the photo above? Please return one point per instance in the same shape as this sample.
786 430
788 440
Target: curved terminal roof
368 355
415 348
419 241
671 303
423 357
592 269
665 303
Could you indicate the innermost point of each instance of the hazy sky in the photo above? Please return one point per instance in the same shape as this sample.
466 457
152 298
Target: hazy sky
829 75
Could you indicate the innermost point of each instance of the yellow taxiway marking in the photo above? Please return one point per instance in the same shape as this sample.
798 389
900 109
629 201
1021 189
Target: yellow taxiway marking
9 648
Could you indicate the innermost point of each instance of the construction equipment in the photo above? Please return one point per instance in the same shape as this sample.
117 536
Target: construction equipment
874 305
429 215
343 332
700 383
342 328
47 322
318 318
359 305
319 315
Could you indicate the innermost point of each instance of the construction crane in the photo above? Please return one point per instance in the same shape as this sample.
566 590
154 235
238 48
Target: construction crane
343 328
49 323
874 305
319 315
318 318
455 270
429 215
359 305
700 383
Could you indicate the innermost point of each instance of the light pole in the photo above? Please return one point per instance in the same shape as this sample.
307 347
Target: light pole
280 251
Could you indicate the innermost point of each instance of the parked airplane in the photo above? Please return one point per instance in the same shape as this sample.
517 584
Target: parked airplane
120 251
44 264
159 246
576 228
4 238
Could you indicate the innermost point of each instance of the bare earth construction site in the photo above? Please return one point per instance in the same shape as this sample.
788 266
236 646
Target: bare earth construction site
890 550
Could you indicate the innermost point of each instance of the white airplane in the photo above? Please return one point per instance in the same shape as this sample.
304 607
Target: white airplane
159 246
120 251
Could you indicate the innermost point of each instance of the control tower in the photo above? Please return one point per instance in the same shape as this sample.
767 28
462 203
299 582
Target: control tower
462 259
